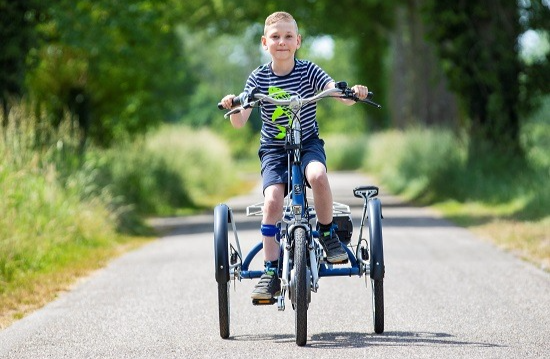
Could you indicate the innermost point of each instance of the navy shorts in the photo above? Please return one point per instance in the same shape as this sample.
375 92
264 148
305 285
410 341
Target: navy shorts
274 160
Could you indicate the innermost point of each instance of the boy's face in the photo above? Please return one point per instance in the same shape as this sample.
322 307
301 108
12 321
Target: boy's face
281 40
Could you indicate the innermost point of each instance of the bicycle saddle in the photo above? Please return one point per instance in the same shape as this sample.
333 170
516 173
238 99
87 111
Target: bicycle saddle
365 191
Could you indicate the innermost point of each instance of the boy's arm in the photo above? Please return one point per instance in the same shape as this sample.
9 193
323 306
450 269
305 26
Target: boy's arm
361 91
238 119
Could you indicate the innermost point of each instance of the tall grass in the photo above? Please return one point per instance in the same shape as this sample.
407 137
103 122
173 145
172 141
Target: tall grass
40 217
432 165
200 157
62 210
345 152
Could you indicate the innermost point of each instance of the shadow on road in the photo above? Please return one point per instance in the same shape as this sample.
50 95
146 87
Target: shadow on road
169 227
360 340
339 340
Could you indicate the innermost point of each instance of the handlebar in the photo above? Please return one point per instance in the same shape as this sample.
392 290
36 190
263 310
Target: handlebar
246 100
237 100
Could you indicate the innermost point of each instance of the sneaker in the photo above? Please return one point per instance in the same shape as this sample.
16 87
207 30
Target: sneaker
269 285
332 246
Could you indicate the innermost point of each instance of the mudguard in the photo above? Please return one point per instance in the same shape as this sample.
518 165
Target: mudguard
374 213
221 246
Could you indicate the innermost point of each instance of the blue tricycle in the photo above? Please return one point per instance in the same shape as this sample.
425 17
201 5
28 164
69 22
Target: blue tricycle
302 260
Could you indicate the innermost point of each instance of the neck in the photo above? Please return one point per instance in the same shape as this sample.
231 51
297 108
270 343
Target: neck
282 68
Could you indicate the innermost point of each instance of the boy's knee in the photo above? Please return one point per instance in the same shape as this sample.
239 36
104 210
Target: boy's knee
317 176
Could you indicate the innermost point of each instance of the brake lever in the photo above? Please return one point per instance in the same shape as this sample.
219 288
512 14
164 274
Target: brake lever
233 111
240 108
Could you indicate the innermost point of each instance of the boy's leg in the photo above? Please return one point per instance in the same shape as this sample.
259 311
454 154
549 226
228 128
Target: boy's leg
317 178
273 212
269 284
316 175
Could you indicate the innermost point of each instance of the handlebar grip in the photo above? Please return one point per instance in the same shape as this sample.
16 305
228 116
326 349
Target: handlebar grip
237 100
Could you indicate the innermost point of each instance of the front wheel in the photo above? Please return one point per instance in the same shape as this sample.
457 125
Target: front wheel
300 285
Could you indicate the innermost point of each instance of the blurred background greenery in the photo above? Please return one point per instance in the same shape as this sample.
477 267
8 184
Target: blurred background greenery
108 112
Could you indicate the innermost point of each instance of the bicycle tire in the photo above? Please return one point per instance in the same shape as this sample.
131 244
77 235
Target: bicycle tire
378 305
223 306
377 267
300 286
221 254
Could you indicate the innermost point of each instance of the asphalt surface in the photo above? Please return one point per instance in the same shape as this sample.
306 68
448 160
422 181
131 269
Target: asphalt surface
447 294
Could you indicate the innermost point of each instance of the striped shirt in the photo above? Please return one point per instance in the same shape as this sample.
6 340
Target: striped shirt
306 79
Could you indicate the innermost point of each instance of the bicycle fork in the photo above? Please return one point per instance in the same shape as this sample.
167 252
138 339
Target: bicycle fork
288 263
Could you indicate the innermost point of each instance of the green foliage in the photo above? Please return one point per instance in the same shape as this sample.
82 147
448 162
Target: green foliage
478 45
18 34
116 66
416 161
55 204
220 68
39 215
201 158
164 173
345 152
431 166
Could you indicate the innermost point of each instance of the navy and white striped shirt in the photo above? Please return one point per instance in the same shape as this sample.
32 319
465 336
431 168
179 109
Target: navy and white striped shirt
306 79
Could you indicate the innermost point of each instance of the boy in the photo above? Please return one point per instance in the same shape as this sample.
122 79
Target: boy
285 74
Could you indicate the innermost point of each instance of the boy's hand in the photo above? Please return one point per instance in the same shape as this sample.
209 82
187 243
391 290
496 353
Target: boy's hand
361 91
227 101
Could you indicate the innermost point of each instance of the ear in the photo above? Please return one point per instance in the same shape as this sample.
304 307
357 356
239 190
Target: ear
299 41
264 42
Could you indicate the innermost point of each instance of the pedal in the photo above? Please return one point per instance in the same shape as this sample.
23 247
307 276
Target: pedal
264 301
345 261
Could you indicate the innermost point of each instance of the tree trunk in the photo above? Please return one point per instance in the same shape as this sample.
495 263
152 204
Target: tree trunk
419 93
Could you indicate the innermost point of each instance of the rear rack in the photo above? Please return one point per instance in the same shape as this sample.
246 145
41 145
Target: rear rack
337 209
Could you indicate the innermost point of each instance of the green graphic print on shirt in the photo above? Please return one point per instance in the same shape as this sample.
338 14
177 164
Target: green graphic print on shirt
280 94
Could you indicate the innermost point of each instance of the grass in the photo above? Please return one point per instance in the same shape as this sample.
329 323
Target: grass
503 225
502 200
63 215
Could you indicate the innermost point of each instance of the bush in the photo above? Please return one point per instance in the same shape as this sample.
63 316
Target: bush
55 202
417 162
345 152
432 165
201 159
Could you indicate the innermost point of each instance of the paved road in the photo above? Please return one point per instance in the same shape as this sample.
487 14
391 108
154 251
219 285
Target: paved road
448 295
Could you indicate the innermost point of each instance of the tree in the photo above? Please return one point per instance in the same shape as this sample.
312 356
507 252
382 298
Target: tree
114 66
418 86
478 46
17 31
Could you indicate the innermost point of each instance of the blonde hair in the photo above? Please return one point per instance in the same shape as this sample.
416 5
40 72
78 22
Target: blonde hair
277 17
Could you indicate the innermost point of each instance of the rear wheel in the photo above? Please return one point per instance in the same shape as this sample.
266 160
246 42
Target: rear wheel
223 305
300 286
221 253
378 305
377 267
